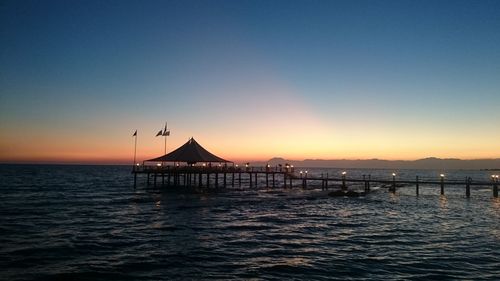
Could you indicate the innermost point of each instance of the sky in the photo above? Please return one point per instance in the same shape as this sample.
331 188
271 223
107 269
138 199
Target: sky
249 80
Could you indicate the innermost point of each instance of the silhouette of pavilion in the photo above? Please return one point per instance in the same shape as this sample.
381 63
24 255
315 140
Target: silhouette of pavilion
191 153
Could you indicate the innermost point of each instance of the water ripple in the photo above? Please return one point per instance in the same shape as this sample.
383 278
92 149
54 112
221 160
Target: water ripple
87 223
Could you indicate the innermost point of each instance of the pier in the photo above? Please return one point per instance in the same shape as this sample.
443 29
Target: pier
220 176
202 169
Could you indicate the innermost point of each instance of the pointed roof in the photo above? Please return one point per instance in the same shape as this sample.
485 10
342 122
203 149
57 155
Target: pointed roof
190 152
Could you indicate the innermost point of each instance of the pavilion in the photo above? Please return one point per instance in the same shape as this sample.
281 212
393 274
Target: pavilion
190 153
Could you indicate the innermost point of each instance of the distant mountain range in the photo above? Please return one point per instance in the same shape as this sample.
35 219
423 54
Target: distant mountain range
426 163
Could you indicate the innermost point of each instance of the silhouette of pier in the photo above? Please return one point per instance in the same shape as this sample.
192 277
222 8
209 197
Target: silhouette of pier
202 169
223 176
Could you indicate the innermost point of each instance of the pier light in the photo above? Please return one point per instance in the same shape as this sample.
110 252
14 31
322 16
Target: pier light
204 164
291 166
246 165
441 175
306 172
177 165
344 173
137 164
393 174
236 165
219 165
301 172
158 164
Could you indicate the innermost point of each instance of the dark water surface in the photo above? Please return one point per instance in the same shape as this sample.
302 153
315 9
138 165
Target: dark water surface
88 223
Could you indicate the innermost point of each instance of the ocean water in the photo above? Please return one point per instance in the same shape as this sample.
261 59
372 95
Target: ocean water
89 223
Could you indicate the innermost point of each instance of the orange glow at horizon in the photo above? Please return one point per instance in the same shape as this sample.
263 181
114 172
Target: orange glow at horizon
300 138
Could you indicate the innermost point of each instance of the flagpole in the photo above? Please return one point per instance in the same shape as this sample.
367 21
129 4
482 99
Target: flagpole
165 150
166 133
135 149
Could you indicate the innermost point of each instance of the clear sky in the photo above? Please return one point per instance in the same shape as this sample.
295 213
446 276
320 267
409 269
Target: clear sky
249 79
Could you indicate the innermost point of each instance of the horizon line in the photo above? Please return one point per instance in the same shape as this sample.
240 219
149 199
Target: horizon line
124 162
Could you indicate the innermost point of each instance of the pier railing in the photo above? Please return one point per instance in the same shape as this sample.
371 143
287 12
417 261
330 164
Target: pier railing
213 168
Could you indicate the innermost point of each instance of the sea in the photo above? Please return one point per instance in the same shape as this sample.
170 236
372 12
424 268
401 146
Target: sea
70 222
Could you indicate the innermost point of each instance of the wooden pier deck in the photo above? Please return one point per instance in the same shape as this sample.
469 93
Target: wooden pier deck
232 176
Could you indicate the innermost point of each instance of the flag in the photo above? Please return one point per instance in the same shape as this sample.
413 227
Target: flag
166 132
160 133
135 134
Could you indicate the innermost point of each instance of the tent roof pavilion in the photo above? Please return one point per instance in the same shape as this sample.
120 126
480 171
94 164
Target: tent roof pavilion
191 152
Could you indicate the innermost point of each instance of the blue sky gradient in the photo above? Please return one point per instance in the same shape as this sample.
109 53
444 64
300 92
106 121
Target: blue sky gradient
356 79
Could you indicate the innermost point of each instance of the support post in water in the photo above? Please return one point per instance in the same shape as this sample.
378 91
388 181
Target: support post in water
495 185
442 184
344 187
393 189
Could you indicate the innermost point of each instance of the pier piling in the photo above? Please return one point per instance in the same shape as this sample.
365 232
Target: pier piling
393 188
495 188
442 185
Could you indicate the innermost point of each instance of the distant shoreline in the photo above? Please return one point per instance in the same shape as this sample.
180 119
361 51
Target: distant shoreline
441 164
